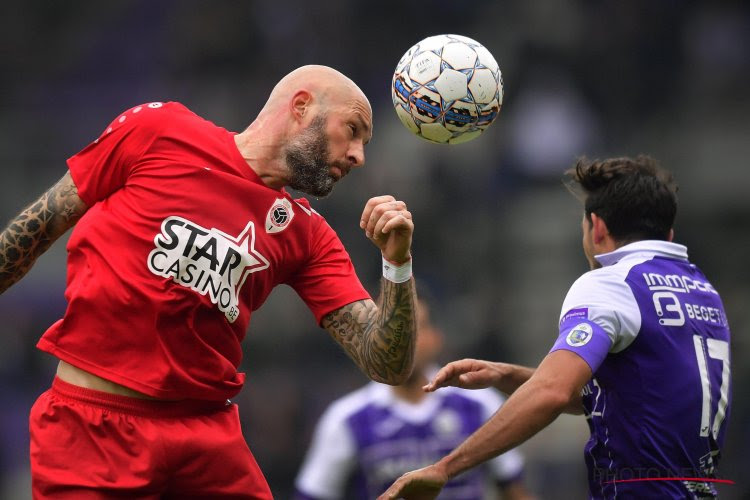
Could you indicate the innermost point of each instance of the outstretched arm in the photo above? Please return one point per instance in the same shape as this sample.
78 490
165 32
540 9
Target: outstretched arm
380 336
478 374
558 380
32 232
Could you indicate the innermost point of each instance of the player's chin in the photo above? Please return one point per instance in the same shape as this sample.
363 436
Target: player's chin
337 173
322 189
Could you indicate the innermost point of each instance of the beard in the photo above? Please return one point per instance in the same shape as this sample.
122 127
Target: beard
307 158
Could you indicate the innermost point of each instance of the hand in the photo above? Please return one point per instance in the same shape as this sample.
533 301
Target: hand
422 484
388 224
467 374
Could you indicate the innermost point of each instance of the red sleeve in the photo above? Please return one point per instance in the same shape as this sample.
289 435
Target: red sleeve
104 165
328 281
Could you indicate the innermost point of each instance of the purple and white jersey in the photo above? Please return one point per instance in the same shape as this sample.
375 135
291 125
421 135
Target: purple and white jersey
653 330
368 438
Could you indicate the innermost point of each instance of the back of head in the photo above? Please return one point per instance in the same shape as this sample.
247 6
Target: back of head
635 197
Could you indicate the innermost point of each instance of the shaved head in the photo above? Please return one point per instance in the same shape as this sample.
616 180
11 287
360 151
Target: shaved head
310 133
324 83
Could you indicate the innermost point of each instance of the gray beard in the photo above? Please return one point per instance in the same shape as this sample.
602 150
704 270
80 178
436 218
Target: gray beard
307 158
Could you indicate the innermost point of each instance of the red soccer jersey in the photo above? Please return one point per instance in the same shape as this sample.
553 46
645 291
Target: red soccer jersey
182 241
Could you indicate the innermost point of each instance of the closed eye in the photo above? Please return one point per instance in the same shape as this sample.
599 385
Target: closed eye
353 128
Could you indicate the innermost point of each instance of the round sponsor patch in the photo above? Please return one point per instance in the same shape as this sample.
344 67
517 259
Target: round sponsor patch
579 335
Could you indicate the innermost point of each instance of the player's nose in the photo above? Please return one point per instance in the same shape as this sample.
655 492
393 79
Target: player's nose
356 154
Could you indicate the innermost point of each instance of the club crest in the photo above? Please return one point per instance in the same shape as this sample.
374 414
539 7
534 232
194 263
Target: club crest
279 216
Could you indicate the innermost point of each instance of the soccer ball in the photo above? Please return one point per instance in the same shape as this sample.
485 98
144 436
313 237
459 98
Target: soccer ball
447 89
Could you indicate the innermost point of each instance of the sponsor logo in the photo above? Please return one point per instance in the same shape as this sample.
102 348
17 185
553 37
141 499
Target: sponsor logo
279 216
207 261
677 283
579 335
582 313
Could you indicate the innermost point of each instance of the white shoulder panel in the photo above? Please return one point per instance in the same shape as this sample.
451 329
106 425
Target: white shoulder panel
610 302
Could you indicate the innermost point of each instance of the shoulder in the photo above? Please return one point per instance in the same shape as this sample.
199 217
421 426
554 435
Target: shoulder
601 286
304 204
605 297
610 275
147 117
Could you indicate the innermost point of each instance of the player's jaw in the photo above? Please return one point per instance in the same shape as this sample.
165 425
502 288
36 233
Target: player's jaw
308 159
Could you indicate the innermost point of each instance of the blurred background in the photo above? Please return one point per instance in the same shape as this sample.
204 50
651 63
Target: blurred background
497 237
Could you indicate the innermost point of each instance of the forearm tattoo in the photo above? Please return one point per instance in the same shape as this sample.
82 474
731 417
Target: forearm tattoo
36 228
379 337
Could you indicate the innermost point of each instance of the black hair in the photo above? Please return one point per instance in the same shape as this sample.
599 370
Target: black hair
635 197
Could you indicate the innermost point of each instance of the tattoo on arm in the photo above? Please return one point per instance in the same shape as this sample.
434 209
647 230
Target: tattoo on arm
379 337
32 232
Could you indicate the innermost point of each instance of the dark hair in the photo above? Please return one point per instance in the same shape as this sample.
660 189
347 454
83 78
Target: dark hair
636 198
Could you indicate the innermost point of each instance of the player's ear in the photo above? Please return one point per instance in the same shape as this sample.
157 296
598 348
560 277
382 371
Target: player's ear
670 236
300 104
599 228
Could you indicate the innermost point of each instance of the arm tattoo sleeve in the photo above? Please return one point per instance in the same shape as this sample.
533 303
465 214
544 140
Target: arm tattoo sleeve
32 232
379 337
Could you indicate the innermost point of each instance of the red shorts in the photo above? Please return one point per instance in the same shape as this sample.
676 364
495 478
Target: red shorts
89 444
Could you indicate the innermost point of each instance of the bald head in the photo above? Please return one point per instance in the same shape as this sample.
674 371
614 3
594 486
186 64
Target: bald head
311 132
327 86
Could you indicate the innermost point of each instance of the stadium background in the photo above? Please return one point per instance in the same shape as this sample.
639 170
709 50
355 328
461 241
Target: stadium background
497 237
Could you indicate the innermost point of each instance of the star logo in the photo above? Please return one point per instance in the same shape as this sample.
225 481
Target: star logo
208 261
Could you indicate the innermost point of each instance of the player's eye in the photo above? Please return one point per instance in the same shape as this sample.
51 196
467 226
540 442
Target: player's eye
353 128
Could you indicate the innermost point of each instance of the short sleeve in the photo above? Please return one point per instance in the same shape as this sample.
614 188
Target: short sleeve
330 459
103 166
327 281
599 315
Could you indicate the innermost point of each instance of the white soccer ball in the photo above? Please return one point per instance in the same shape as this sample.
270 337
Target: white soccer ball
447 89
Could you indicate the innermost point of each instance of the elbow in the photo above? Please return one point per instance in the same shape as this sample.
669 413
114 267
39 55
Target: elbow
560 400
401 378
395 378
575 406
392 376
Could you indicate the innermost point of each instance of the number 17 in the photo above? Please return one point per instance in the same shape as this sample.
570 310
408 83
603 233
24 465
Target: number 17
717 349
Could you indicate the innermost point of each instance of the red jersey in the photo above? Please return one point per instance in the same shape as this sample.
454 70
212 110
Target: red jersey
181 242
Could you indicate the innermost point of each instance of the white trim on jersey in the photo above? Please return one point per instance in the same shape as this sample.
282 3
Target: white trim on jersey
606 295
649 249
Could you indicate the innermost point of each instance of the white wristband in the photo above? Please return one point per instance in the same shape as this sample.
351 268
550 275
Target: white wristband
396 273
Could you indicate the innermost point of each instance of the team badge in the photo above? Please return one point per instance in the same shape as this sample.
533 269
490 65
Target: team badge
279 216
446 423
579 335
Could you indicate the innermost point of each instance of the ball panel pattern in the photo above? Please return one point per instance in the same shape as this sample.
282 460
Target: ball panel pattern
447 89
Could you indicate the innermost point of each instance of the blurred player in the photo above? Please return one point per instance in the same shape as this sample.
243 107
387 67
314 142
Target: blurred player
643 351
368 438
184 230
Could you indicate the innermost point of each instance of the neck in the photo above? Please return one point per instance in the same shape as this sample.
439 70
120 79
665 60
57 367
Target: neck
260 146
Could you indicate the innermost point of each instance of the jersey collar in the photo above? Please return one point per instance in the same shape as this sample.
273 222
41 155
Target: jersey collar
656 248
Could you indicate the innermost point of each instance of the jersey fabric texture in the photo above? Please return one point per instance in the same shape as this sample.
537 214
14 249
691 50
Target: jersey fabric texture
653 330
182 241
111 446
367 439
